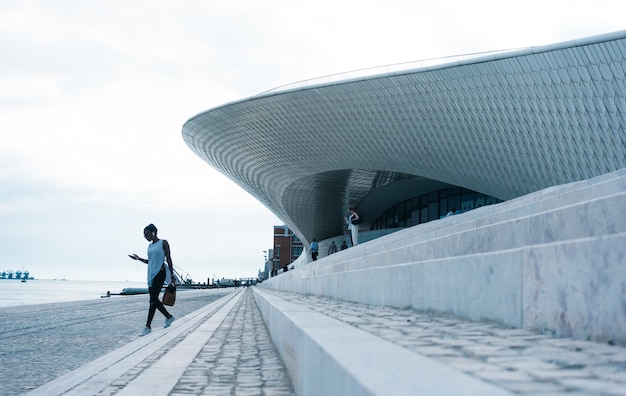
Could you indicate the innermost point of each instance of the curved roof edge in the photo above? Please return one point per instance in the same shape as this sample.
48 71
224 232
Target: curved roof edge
620 34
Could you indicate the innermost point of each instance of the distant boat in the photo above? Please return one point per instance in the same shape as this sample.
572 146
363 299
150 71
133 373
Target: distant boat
127 291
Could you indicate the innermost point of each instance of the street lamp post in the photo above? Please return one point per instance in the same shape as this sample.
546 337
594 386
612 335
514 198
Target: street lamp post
265 264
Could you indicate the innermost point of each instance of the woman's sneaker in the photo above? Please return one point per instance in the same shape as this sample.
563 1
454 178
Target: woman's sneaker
145 331
168 321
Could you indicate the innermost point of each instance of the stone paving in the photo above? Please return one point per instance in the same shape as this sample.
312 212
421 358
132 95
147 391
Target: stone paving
519 361
240 359
234 355
42 342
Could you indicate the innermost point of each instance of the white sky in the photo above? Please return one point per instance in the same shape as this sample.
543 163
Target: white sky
93 96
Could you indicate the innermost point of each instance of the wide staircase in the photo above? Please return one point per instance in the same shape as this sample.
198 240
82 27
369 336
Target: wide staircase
551 260
550 264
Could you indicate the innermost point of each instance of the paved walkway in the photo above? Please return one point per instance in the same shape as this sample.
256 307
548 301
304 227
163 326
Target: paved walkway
39 343
224 349
519 361
240 359
221 349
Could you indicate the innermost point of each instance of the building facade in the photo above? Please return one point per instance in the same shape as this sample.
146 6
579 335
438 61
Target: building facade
495 127
287 248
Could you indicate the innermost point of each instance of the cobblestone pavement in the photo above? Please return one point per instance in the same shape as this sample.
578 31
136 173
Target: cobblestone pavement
520 361
43 342
239 359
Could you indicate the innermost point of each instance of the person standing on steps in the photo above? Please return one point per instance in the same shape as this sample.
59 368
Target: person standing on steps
314 249
332 248
353 226
158 273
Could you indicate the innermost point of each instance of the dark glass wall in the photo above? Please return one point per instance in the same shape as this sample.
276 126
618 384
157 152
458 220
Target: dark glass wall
431 206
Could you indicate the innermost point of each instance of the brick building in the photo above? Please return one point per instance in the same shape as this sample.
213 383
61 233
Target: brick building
287 248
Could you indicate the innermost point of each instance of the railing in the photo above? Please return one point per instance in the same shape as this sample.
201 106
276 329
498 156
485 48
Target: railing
370 71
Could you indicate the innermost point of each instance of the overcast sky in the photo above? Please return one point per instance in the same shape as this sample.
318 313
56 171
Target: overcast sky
93 96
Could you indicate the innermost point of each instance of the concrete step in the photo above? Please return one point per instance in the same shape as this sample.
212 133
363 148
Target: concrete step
334 347
531 204
584 209
551 260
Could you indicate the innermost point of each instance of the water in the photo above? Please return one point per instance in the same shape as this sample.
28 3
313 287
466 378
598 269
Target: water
41 291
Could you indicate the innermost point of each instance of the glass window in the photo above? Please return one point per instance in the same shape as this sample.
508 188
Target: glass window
415 217
392 218
415 204
431 206
424 216
467 202
443 207
433 211
480 201
454 201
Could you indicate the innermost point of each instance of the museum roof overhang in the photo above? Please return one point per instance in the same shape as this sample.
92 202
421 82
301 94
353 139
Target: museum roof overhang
503 125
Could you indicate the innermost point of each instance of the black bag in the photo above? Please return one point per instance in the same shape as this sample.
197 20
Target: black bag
357 221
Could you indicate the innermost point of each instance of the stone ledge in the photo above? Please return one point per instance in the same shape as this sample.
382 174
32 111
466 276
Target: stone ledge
327 357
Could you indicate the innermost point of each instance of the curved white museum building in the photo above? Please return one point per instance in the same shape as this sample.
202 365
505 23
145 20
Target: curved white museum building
405 147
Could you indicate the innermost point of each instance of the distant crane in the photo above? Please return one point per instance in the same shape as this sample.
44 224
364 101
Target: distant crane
183 275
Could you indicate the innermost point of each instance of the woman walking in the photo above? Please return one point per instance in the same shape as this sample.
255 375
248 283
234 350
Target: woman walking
158 273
